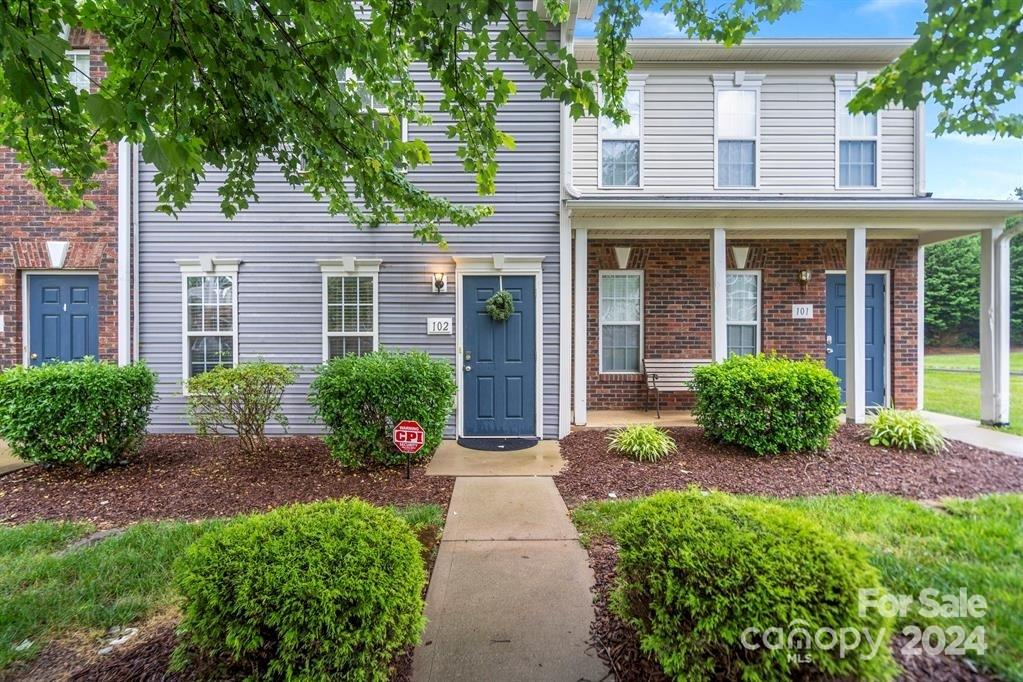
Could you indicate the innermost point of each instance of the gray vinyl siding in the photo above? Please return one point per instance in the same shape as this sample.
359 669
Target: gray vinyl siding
279 240
797 134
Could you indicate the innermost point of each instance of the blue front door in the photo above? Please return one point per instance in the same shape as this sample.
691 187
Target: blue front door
63 317
874 302
499 359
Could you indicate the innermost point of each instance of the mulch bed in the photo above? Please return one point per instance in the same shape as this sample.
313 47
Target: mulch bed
618 646
849 465
186 477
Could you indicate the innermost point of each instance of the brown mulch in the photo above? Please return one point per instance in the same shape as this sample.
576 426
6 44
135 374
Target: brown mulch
849 465
618 645
186 477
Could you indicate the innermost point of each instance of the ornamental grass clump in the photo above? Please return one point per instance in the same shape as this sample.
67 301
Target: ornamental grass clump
905 431
707 580
767 404
324 591
85 412
642 442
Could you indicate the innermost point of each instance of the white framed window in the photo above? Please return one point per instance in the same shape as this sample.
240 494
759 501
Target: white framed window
737 131
369 100
620 148
621 321
857 139
209 297
743 312
350 306
81 72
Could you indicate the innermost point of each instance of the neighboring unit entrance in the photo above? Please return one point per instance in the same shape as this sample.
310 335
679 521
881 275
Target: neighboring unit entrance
63 317
874 302
499 358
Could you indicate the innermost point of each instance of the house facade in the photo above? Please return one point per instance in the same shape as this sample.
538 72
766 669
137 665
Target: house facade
64 287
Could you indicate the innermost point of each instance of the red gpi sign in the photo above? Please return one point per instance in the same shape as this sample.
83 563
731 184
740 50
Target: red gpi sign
409 436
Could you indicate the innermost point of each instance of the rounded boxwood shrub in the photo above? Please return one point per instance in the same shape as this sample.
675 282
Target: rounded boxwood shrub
87 412
767 403
361 398
703 576
322 591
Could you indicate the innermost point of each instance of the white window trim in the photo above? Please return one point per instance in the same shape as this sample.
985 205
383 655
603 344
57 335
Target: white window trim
600 321
207 267
82 52
758 325
846 81
350 76
637 81
740 80
349 266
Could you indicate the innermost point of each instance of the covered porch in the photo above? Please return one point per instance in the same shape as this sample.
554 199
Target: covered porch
838 280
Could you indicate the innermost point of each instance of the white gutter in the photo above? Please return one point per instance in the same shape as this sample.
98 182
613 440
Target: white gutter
124 175
991 208
565 246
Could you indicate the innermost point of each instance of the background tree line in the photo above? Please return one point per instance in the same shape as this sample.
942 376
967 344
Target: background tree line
952 291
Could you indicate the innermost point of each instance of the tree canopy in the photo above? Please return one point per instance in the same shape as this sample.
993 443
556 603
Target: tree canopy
318 87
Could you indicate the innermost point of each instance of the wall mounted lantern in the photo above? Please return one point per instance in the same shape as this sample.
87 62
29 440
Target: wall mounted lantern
804 278
440 282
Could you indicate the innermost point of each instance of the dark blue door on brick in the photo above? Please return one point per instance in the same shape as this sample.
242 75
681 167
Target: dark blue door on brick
63 317
874 302
499 359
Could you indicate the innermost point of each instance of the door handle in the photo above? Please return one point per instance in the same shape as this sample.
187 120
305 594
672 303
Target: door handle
33 356
468 368
830 351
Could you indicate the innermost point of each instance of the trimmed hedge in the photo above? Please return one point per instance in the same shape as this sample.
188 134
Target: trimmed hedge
767 403
697 570
322 591
87 412
361 398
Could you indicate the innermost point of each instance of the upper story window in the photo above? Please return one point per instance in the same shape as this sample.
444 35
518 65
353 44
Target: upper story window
369 100
743 312
621 147
621 320
81 73
349 306
736 130
857 140
210 302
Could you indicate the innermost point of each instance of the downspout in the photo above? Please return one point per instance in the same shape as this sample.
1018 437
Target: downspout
123 252
135 250
565 245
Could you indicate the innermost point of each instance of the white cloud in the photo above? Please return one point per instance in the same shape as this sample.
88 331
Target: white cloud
885 6
656 24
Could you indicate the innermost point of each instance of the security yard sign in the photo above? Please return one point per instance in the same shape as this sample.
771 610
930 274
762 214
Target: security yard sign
409 436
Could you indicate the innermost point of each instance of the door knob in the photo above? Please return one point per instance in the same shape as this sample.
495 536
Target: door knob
34 356
830 351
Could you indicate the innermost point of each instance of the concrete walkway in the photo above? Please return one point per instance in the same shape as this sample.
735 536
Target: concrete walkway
9 462
510 594
969 431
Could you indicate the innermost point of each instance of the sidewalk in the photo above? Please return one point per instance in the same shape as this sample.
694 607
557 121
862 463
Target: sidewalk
9 462
510 594
969 431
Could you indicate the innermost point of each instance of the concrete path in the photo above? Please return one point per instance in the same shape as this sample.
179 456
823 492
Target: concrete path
452 459
969 431
510 594
9 462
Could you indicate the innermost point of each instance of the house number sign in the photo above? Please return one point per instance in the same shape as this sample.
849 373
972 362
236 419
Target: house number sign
802 311
439 325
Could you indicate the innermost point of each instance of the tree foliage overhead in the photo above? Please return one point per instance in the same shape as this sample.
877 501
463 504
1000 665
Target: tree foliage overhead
967 59
225 83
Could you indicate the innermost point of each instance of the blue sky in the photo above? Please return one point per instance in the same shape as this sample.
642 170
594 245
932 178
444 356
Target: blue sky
957 166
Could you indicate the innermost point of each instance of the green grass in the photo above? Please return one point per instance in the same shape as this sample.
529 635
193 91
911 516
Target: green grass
976 544
117 581
958 393
968 361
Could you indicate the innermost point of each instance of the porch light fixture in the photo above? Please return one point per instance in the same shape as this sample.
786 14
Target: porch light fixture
440 282
739 255
804 278
622 256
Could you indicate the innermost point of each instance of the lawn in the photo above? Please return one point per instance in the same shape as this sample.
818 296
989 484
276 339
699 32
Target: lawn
976 544
117 581
958 393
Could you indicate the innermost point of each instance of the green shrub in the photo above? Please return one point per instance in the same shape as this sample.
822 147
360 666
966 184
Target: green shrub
697 570
239 400
642 442
361 398
905 431
767 404
329 590
87 412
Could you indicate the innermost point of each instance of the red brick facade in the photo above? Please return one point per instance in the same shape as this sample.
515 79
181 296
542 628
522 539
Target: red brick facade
677 312
27 223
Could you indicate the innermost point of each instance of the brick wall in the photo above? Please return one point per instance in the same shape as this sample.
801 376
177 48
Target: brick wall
27 223
677 307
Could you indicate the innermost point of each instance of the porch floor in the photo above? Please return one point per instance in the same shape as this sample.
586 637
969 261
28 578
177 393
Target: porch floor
606 419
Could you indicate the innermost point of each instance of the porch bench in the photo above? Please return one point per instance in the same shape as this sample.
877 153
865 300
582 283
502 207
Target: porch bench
669 375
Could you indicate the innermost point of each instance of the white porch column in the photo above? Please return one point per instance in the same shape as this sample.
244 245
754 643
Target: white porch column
920 295
718 295
994 327
855 326
579 337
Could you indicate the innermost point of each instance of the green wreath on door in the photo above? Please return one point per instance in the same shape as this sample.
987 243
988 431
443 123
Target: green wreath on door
500 306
